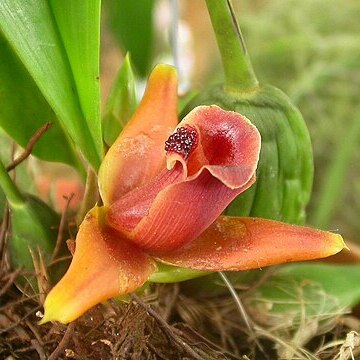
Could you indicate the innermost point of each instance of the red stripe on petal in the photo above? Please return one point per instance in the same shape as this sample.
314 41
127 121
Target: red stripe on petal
104 266
137 155
249 243
182 211
128 211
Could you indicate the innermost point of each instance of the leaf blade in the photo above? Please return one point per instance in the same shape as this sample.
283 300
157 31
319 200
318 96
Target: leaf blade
32 33
24 110
121 103
132 25
78 23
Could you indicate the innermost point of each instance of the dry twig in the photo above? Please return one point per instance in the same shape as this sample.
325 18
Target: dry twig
167 328
39 349
170 302
242 311
3 231
59 239
64 342
13 326
10 278
29 148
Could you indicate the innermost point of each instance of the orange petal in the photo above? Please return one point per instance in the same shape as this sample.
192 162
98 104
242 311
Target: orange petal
138 153
249 243
221 166
104 266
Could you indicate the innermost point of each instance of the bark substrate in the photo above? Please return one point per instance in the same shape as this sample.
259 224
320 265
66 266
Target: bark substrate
164 322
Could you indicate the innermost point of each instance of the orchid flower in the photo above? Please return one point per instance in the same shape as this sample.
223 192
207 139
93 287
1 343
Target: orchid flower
164 186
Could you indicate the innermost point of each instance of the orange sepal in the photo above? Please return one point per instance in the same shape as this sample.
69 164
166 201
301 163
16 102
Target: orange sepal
138 153
249 243
104 266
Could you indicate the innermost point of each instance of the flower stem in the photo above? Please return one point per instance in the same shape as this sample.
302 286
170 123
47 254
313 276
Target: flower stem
11 191
239 73
91 195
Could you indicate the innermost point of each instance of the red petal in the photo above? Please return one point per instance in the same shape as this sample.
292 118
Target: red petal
138 153
228 146
128 211
104 266
249 243
221 166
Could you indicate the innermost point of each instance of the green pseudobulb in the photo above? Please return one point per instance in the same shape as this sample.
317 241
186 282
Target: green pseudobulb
285 171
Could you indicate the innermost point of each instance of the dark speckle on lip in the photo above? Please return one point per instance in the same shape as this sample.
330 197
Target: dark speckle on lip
183 141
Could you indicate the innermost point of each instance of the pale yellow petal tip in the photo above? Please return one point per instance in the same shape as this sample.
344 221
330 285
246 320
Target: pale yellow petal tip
163 72
339 244
53 316
165 68
45 319
344 246
55 309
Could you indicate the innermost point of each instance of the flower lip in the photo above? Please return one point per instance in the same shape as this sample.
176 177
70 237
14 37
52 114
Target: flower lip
183 141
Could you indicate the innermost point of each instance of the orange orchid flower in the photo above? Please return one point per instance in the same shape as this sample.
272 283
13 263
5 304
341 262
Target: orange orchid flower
163 192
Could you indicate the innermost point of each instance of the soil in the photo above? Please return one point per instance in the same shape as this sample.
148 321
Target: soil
172 321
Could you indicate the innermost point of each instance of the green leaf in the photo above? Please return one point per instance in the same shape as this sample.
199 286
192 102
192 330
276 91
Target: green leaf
2 204
23 178
79 26
121 102
300 301
34 231
34 225
336 282
339 281
24 110
5 145
34 228
132 24
12 193
31 30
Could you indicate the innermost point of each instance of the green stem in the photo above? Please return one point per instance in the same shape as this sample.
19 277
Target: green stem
239 73
11 191
91 195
